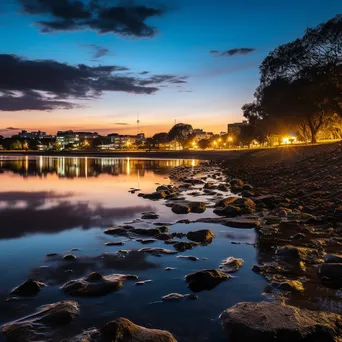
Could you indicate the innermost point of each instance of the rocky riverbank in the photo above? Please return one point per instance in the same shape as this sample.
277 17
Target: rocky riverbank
293 204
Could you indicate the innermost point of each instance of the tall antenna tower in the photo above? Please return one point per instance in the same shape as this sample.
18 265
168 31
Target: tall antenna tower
138 124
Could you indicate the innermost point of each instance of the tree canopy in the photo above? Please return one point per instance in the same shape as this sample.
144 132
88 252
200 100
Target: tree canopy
301 82
180 133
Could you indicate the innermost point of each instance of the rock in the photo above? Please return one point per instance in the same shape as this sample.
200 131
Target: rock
197 207
146 231
94 285
157 251
146 241
204 236
143 282
228 211
175 297
331 273
51 255
39 326
163 237
236 182
28 288
273 322
162 188
234 223
123 330
69 257
117 231
247 187
180 209
182 246
155 196
209 186
169 268
189 257
290 285
244 203
114 243
222 187
333 259
205 279
246 193
231 265
149 216
269 201
296 254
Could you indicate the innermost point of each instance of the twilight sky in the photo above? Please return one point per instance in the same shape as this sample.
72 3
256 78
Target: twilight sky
95 64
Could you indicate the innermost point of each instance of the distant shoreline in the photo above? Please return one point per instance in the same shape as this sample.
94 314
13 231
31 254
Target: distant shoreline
199 155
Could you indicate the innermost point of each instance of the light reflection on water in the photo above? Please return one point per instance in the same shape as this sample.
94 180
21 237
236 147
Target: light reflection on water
51 205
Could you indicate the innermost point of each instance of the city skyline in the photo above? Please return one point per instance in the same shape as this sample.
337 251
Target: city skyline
91 68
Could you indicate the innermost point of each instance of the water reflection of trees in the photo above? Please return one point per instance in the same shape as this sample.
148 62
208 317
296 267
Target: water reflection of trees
69 167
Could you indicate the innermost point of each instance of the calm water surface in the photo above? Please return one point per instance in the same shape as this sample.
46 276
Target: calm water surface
51 205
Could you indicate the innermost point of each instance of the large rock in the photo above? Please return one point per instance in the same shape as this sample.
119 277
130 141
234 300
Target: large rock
182 246
94 284
269 201
205 279
150 216
272 322
331 273
204 236
245 204
197 207
180 209
28 288
39 326
123 330
228 211
295 254
231 265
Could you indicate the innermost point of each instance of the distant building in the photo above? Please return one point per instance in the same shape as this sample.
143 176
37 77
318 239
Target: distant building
199 134
71 137
30 135
234 129
115 141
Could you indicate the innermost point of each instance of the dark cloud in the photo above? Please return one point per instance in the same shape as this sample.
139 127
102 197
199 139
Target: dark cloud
12 128
233 52
98 15
121 123
98 51
144 73
48 85
158 79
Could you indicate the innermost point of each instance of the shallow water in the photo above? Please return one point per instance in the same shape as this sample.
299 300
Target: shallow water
51 205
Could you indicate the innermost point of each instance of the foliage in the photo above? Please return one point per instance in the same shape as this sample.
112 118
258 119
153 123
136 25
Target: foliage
203 144
180 133
301 82
160 138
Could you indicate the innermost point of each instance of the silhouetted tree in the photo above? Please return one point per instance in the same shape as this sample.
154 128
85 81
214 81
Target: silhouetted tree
160 138
301 82
203 144
180 133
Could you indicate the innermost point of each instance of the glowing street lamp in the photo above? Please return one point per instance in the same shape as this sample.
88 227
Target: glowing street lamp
230 139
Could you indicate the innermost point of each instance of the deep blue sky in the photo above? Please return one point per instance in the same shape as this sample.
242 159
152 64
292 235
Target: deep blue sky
216 86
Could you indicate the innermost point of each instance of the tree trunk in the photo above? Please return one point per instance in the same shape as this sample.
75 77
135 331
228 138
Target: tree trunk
315 123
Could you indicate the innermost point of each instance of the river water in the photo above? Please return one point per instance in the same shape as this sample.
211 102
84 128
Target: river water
55 204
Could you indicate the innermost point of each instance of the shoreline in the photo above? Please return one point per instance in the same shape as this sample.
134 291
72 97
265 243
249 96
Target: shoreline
278 152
